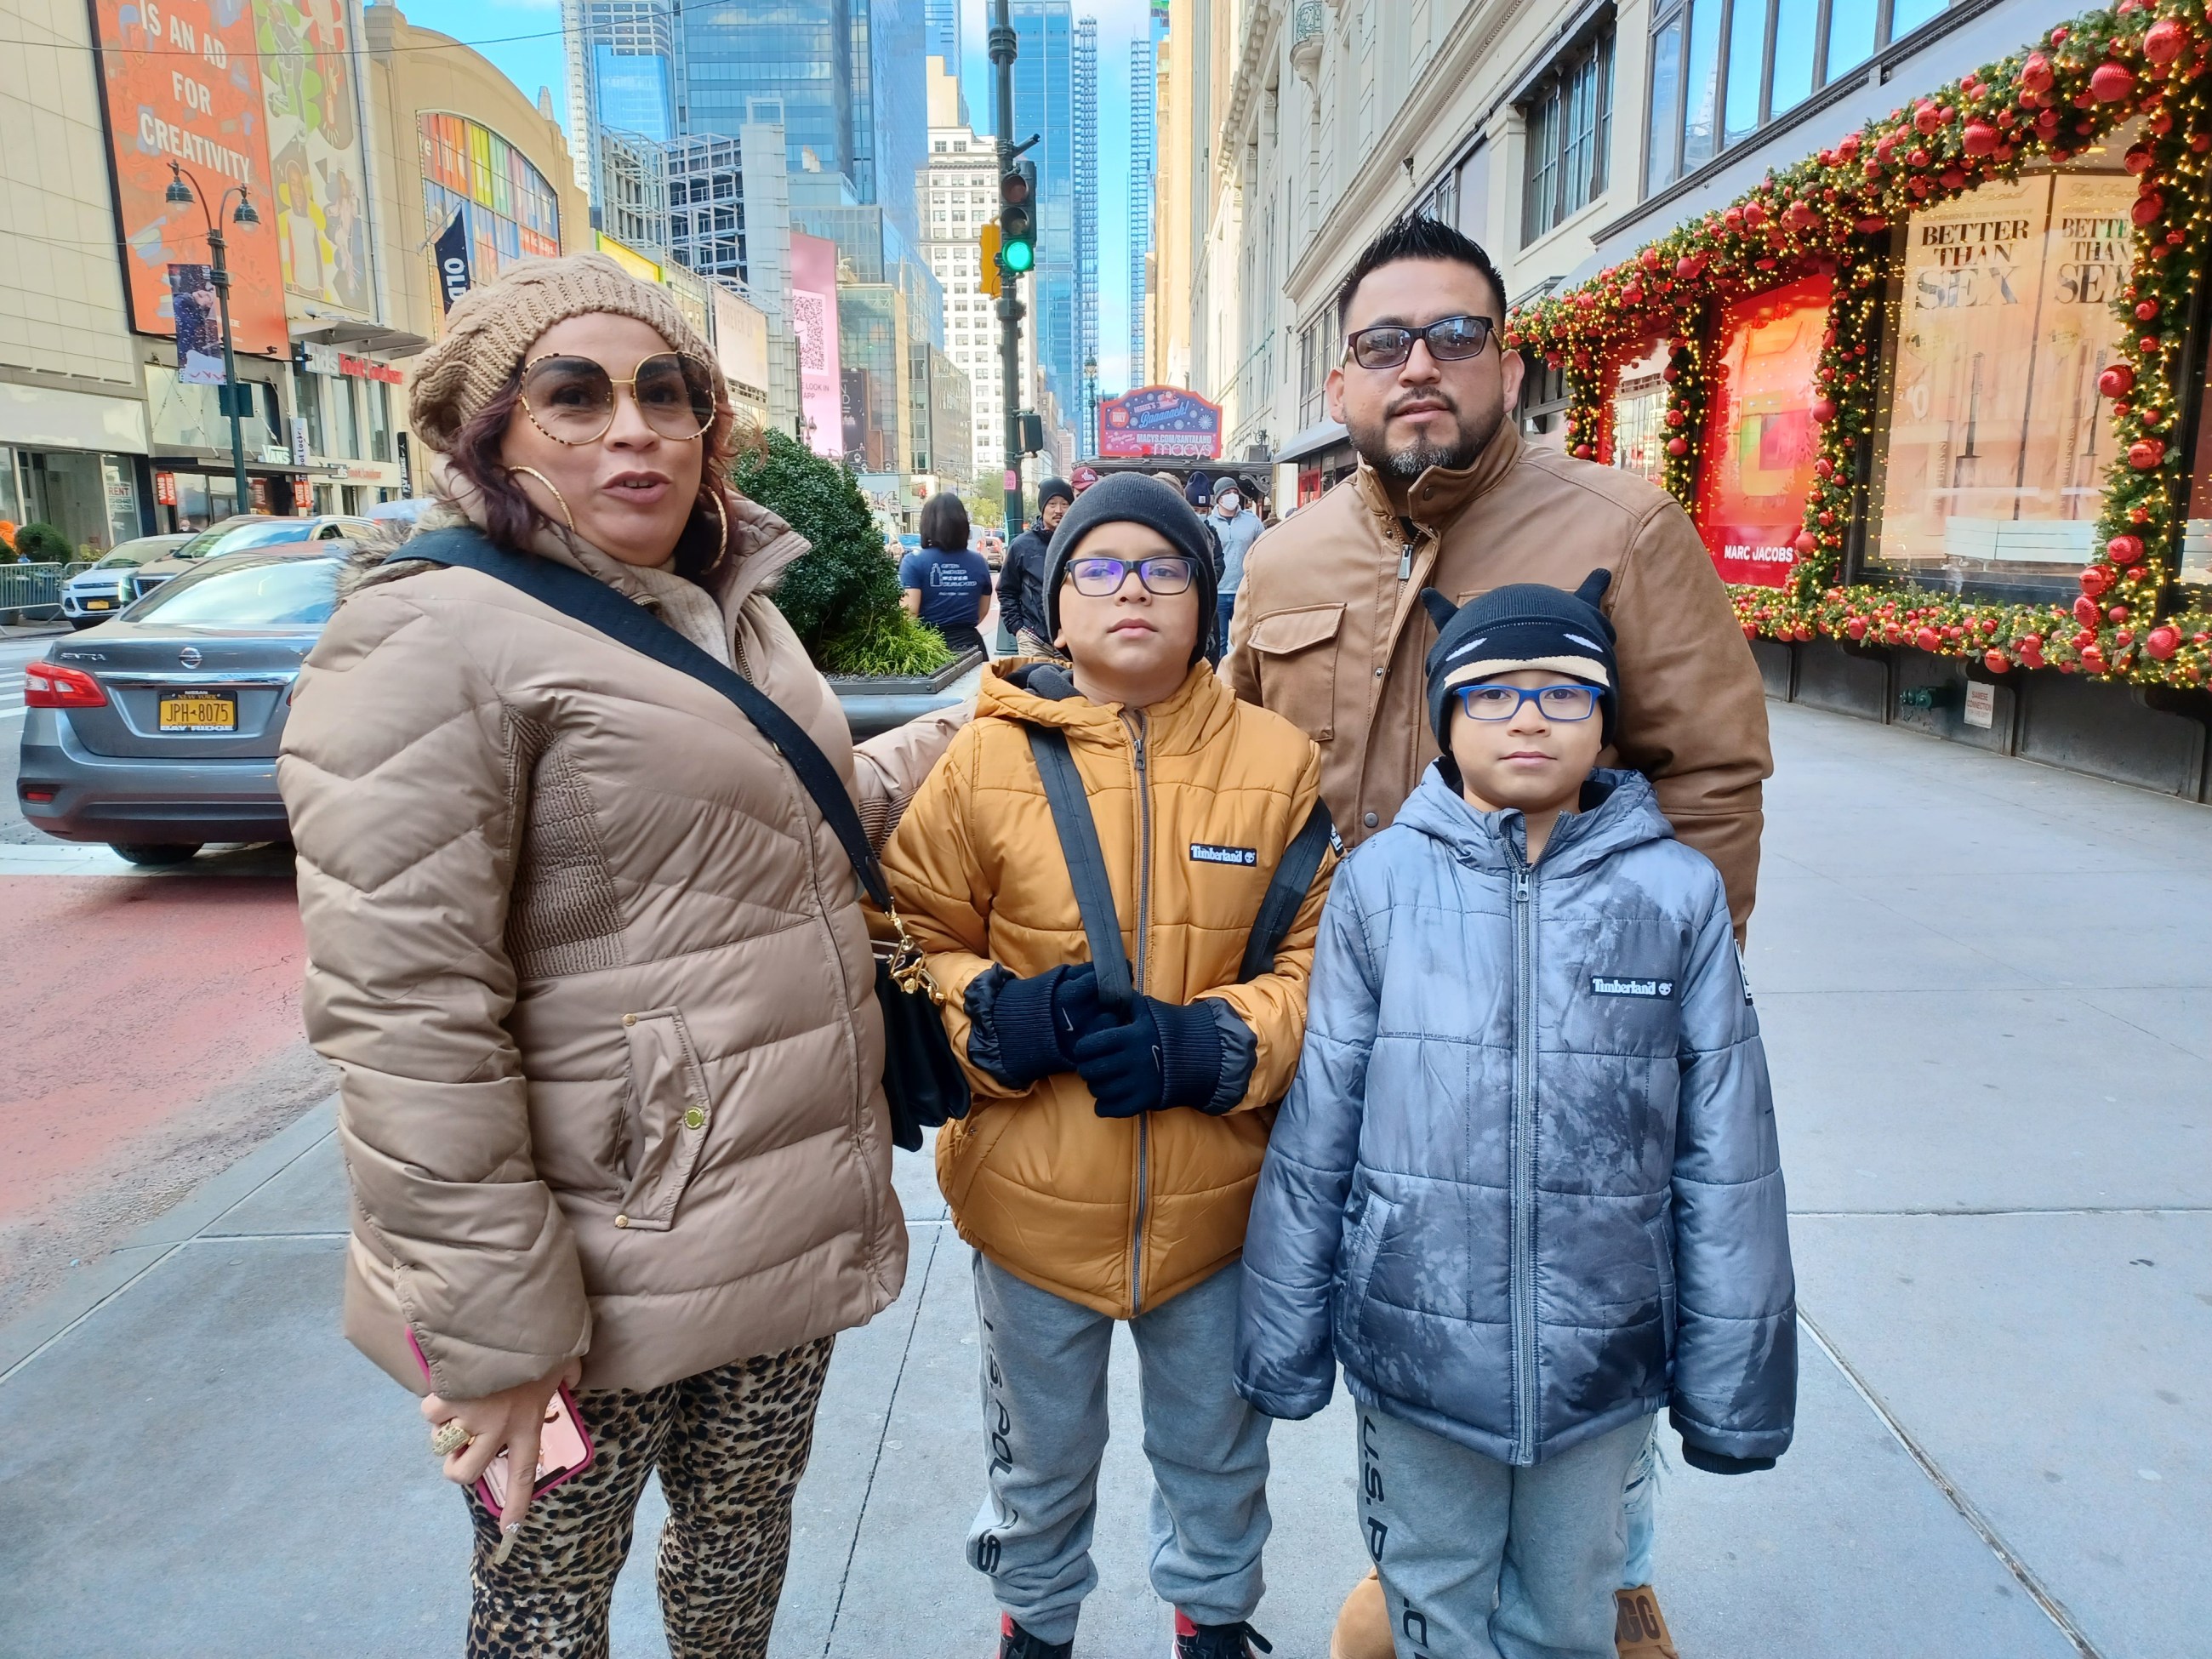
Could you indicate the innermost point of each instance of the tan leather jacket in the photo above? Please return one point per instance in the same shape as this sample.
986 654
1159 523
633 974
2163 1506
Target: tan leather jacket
1329 633
596 979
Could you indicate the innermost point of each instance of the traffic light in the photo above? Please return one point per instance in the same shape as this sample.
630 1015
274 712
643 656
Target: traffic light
1018 218
1031 430
988 241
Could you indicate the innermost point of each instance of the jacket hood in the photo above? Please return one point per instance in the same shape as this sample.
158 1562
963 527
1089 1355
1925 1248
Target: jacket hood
1201 706
1618 810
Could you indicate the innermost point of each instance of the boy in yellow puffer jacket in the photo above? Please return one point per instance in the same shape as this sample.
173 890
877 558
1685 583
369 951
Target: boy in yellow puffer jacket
1108 1165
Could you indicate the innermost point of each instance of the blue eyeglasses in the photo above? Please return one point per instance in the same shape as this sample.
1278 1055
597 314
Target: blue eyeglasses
1503 703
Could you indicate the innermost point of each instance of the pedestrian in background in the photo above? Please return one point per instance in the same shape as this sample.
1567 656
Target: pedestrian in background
946 585
1235 527
1448 495
595 978
1104 1171
1021 578
1526 1186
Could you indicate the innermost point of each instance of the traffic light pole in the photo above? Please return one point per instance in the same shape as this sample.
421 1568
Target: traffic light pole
1010 306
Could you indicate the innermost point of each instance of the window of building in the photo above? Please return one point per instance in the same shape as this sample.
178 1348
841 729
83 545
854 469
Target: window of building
1989 474
1570 126
1721 69
1314 341
1543 404
1760 440
1639 412
510 212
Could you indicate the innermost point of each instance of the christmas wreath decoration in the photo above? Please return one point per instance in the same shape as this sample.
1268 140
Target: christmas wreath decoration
1832 213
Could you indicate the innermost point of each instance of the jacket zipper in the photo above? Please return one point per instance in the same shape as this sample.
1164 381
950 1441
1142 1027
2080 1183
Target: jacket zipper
1405 562
1136 723
1524 1163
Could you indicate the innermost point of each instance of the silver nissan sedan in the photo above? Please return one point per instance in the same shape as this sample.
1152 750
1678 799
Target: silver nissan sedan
157 731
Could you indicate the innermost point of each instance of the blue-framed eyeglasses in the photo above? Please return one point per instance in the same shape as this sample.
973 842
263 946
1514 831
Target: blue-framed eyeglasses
1096 578
1503 703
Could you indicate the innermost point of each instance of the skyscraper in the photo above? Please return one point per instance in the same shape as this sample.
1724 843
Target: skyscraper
1086 225
620 56
940 28
1044 104
1144 160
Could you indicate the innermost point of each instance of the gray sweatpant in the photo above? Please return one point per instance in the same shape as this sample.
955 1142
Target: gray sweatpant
1044 1413
1480 1559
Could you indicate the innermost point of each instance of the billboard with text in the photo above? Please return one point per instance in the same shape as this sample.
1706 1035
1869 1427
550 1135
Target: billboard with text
1159 419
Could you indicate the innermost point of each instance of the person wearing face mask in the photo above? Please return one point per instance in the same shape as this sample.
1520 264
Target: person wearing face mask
1236 527
593 969
1328 631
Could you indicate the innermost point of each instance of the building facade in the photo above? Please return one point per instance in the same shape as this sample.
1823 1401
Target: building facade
1044 104
1085 130
1144 158
1988 465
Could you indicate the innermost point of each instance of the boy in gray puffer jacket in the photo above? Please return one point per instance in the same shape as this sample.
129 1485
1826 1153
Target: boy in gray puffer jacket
1526 1187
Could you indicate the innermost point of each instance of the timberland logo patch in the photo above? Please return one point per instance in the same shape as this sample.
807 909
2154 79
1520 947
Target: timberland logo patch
1205 852
1607 985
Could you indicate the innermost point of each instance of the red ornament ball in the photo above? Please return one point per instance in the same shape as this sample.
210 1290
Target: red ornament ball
2036 74
1996 662
1856 627
2163 642
1980 138
2146 311
1927 639
2143 454
1824 411
2086 611
2125 549
2095 579
1805 544
2164 41
2116 382
2147 209
1678 446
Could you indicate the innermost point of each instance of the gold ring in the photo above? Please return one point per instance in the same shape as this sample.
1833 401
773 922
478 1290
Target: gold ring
449 1437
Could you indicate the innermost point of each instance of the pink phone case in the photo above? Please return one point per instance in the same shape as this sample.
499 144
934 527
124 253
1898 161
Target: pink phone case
564 1446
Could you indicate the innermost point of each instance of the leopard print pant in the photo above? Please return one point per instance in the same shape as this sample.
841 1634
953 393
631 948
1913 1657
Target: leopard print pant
730 1444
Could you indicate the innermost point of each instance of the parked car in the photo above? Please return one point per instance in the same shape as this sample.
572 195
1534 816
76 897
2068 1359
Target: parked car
237 533
94 595
157 731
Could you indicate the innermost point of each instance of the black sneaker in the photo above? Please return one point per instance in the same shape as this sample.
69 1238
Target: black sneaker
1015 1643
1235 1641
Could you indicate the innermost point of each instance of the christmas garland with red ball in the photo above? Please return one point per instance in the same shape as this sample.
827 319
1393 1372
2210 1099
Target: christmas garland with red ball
1833 213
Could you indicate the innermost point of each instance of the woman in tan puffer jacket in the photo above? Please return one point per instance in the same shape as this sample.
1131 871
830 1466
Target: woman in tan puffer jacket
594 972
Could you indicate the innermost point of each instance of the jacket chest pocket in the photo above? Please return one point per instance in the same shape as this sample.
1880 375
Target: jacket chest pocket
1297 651
669 1115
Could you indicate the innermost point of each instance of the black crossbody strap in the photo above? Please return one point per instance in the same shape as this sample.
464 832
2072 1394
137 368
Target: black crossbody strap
591 602
1086 864
1286 890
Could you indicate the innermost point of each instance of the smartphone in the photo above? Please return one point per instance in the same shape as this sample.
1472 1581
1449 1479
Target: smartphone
564 1446
563 1451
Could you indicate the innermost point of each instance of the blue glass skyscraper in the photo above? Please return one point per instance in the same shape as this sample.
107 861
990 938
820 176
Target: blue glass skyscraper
1144 158
1086 225
1044 104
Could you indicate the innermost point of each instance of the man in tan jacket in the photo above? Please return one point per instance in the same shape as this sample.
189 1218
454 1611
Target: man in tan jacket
1329 633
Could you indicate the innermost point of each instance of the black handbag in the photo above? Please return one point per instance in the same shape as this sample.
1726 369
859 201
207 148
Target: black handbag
922 1080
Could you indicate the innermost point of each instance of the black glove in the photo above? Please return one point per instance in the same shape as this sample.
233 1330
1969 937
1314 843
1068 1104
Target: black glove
1713 1463
1167 1054
1039 1018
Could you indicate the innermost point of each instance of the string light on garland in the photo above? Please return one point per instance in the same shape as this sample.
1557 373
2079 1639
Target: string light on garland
1834 213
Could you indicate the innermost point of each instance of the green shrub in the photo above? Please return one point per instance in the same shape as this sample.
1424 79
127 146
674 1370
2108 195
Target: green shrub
842 598
42 543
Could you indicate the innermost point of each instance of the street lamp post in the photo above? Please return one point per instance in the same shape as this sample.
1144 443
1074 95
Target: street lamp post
181 193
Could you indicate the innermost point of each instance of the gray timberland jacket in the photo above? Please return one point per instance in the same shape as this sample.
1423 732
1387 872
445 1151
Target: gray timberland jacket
1526 1184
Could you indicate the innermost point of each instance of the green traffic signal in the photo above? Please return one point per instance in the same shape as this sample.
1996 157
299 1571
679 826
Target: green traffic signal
1018 255
1017 218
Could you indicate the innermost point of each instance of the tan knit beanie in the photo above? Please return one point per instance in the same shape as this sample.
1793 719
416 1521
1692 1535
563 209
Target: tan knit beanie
489 329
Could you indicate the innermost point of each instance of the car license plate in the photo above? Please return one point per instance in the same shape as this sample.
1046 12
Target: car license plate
196 713
99 605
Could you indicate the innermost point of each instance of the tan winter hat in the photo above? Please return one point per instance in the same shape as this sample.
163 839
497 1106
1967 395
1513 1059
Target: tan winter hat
490 328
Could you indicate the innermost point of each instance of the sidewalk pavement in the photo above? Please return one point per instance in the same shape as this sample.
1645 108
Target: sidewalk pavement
1989 1008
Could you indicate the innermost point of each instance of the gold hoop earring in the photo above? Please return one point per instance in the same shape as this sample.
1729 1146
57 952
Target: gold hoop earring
721 523
557 495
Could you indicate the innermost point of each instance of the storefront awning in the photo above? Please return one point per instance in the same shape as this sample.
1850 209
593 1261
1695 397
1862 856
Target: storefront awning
360 337
1322 435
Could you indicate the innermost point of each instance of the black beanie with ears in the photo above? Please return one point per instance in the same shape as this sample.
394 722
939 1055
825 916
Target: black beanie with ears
1526 625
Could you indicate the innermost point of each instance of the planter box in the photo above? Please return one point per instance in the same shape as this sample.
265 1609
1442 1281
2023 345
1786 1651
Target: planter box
873 704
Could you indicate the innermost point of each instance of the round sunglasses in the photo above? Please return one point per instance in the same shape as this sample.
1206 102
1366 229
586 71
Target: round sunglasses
1503 703
1451 339
572 399
1097 578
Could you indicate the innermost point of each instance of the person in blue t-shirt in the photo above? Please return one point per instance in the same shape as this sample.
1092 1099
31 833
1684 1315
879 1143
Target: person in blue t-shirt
946 585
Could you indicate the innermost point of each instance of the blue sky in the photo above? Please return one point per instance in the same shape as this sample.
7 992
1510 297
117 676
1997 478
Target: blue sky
523 38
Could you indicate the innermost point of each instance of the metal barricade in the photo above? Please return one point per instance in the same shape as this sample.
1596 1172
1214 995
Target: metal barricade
33 593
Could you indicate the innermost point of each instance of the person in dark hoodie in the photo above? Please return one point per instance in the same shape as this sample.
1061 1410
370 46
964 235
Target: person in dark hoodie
1526 1188
1021 578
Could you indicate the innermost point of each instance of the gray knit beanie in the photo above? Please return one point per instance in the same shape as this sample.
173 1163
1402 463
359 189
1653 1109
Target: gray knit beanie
1133 498
490 328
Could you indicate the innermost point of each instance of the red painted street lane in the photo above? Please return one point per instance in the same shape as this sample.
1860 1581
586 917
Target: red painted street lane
154 1037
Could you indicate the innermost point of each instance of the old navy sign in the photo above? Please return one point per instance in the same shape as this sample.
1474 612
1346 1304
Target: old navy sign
453 255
